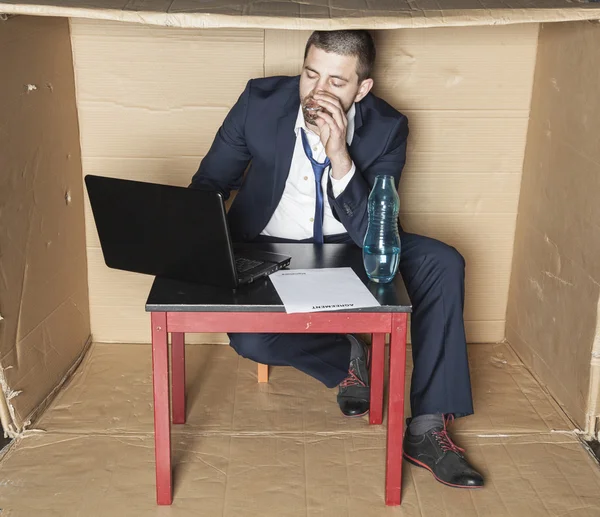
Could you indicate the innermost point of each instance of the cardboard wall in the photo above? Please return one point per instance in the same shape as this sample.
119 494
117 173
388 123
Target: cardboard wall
151 99
554 304
44 323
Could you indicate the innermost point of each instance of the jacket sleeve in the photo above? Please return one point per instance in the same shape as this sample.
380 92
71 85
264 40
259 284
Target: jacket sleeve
350 207
223 167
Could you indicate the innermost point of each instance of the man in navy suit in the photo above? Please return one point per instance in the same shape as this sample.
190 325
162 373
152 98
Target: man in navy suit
314 145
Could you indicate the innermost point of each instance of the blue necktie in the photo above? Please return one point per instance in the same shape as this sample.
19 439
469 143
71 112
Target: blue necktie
318 169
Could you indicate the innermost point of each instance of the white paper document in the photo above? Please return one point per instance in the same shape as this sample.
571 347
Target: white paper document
315 290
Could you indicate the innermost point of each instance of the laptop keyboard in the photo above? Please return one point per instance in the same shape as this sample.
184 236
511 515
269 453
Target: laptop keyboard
243 264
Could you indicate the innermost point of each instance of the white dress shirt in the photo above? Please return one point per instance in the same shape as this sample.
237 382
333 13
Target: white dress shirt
294 216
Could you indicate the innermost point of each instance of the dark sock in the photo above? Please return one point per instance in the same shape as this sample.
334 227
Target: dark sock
423 423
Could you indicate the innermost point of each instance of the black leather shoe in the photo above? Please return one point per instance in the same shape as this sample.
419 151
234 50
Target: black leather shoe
353 396
436 452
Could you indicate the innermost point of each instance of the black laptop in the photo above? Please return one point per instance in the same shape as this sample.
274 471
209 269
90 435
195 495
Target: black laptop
172 232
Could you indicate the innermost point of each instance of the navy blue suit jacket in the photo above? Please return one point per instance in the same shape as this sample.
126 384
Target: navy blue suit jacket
259 130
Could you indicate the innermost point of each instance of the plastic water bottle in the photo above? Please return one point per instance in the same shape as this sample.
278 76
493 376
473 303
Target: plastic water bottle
381 247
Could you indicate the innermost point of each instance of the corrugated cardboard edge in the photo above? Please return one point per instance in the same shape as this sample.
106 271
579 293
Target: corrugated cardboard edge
5 416
593 448
4 450
394 20
6 410
593 407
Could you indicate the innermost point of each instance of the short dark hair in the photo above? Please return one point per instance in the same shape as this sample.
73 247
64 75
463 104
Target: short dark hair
357 43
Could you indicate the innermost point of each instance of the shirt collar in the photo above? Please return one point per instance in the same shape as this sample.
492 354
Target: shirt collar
349 130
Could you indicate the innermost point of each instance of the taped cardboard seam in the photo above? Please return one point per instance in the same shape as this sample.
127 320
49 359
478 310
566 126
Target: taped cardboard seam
536 436
7 410
5 417
593 405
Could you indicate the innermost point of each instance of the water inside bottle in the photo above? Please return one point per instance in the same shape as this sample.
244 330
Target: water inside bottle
381 245
381 263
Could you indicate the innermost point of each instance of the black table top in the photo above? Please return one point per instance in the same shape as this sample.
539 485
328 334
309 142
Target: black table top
260 296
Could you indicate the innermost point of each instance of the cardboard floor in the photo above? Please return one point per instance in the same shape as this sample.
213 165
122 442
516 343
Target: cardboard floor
282 449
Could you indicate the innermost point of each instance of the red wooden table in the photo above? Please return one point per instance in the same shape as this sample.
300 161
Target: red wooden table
178 308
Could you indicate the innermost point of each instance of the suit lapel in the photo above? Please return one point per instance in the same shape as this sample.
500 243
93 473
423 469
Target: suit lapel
286 140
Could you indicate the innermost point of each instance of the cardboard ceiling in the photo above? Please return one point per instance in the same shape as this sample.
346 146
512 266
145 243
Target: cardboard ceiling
314 14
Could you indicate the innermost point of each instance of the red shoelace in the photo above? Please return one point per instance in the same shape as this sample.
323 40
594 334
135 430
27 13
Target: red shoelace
352 380
444 439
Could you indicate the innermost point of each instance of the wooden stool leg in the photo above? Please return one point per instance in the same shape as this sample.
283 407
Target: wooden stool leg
162 417
178 376
395 433
377 373
263 372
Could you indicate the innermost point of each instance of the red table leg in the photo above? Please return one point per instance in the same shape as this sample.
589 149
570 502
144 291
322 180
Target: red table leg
395 433
377 373
178 376
162 417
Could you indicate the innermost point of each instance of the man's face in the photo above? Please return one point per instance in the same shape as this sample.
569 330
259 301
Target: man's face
332 73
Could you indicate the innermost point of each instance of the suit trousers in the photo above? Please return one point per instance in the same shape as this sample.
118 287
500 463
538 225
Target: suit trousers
433 273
